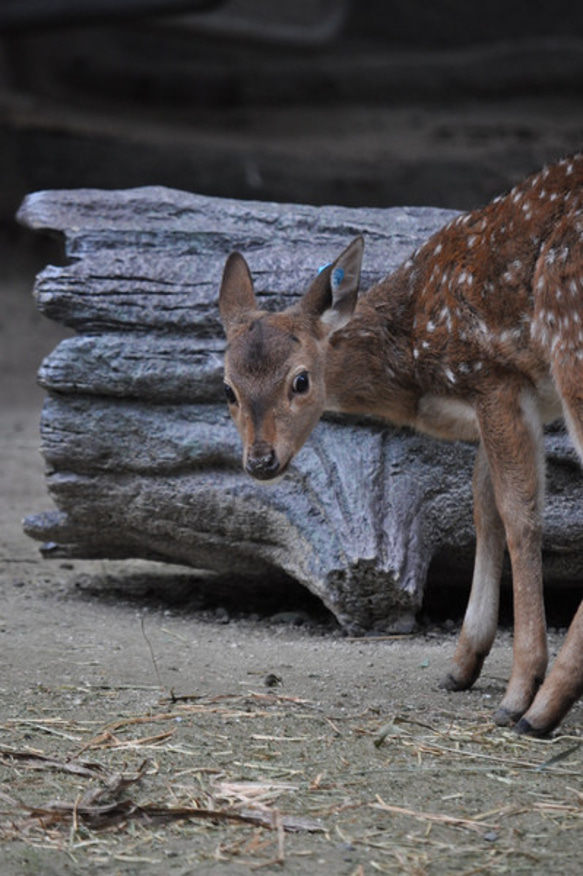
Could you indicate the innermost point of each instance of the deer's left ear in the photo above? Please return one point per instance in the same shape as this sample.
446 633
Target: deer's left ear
332 296
236 297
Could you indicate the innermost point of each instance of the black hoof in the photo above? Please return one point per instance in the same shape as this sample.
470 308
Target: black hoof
504 718
451 683
525 728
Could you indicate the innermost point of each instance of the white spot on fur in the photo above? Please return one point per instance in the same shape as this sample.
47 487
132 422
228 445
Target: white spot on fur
509 335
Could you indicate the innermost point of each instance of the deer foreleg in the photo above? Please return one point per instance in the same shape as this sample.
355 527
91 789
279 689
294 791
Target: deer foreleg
481 617
512 436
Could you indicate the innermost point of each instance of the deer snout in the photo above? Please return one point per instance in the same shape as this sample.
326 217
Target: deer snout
262 462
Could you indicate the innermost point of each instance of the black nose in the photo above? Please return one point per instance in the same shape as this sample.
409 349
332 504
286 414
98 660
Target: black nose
262 462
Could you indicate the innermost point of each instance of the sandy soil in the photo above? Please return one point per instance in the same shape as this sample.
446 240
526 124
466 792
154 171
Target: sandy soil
119 686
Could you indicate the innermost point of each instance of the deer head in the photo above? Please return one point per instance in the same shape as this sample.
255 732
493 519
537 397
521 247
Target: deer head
275 364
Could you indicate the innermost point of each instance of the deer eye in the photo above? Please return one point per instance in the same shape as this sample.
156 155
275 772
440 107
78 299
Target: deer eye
301 382
231 397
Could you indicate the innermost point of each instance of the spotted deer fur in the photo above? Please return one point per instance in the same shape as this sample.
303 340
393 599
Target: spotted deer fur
477 337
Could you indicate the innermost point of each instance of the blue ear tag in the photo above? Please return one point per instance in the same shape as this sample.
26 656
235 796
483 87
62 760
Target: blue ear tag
337 277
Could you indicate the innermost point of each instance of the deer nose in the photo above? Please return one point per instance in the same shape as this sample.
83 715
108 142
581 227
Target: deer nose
262 462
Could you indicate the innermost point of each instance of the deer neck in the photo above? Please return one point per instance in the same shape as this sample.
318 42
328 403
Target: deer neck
369 365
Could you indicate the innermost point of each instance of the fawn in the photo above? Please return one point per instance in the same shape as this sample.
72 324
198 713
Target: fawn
478 336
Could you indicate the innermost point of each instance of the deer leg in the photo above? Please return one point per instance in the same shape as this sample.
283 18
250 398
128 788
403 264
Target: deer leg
564 684
512 435
481 617
562 687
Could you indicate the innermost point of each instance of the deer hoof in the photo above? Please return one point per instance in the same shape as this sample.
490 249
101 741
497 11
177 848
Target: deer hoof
525 728
505 717
461 682
450 682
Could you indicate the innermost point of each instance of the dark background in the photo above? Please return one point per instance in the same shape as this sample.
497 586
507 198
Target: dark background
359 102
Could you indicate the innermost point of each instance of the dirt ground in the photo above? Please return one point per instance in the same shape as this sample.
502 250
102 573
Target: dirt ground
146 730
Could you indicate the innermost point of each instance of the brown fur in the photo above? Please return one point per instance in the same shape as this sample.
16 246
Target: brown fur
478 336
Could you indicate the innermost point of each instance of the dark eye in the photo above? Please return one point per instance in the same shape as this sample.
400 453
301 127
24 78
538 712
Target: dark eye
301 383
231 397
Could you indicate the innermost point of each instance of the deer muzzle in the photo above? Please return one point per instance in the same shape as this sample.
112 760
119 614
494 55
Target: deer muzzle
262 462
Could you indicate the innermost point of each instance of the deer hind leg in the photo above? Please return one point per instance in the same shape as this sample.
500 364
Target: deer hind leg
512 436
481 617
562 687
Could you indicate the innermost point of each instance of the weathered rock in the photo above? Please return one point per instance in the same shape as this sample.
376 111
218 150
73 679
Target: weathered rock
144 461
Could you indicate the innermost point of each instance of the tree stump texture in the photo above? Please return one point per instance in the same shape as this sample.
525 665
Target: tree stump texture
142 459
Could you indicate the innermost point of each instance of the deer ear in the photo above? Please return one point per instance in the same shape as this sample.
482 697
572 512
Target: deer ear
332 296
236 297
